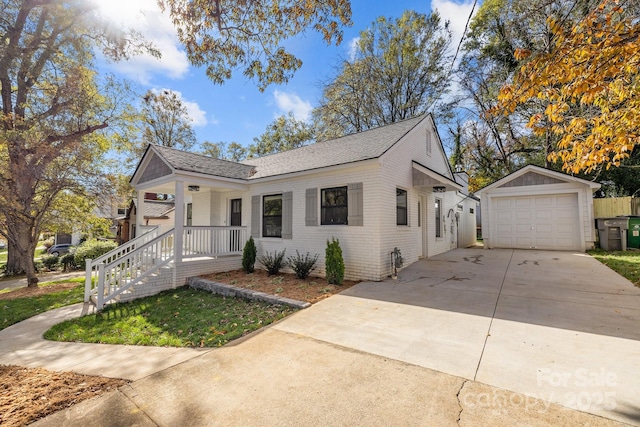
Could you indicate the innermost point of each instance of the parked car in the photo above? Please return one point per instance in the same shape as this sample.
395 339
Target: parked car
57 250
3 245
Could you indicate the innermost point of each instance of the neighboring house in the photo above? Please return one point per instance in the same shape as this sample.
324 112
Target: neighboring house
537 208
385 188
156 213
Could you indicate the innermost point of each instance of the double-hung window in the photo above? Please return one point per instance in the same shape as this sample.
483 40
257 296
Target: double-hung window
272 216
401 207
334 206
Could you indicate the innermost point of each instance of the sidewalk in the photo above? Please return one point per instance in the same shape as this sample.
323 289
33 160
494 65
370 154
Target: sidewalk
43 277
22 344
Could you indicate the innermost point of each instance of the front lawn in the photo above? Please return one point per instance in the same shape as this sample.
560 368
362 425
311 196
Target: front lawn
22 303
625 263
183 317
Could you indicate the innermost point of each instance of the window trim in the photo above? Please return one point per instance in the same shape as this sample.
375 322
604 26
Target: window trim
264 217
404 208
438 214
345 206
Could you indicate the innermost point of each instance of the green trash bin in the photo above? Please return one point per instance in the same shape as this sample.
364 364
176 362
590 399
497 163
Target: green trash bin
633 235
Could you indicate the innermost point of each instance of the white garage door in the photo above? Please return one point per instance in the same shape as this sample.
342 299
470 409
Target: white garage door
541 222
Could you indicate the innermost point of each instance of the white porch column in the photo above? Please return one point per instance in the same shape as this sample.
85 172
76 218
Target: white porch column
179 221
139 213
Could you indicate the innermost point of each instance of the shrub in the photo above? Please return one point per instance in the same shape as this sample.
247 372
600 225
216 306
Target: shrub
48 243
273 263
334 264
302 266
92 249
249 256
50 261
68 262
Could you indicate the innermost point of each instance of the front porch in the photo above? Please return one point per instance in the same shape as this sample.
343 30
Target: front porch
154 262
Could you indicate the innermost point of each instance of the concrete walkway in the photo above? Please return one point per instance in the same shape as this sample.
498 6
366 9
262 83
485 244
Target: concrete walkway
22 344
470 337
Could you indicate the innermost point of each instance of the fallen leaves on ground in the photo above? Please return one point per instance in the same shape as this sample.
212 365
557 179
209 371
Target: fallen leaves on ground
311 289
34 292
28 394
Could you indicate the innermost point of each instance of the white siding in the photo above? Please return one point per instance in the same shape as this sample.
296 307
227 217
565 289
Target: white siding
397 172
360 244
201 205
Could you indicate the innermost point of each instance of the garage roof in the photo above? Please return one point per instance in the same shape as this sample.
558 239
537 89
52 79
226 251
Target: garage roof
535 175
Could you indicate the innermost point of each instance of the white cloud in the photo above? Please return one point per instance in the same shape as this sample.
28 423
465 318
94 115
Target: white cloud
353 48
196 114
145 17
287 102
456 13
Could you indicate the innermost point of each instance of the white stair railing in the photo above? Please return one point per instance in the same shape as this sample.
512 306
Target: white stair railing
95 267
92 265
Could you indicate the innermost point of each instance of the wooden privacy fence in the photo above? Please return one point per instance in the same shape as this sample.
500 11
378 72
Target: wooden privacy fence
616 206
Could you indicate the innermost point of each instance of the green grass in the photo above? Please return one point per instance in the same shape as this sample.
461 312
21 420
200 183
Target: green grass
16 310
183 317
625 263
3 256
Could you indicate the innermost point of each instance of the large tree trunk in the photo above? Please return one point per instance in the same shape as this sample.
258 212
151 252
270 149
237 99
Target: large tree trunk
22 250
14 261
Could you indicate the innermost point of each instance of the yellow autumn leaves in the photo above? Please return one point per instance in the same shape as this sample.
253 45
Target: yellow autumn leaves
590 84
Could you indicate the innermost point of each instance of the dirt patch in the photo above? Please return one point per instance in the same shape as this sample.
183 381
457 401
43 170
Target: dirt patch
28 394
34 292
311 289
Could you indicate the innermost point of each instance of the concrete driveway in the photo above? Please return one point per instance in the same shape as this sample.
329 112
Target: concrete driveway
558 326
497 328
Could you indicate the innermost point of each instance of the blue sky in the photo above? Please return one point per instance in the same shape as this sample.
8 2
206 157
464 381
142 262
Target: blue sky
238 111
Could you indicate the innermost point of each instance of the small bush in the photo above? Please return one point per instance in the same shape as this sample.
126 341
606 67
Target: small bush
48 243
249 256
68 262
50 261
273 263
303 266
92 249
334 264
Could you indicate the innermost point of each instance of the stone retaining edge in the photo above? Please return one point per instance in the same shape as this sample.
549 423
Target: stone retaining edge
234 291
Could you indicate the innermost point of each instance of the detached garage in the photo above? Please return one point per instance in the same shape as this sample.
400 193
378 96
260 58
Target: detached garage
537 208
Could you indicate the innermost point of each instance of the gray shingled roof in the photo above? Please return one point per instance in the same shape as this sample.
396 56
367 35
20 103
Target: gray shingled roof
356 147
185 161
156 208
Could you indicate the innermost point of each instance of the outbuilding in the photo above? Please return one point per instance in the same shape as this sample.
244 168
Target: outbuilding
537 208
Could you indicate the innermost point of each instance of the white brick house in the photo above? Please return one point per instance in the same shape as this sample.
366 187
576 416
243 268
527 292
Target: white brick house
376 190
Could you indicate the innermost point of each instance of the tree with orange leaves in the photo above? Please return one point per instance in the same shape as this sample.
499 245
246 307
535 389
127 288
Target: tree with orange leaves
591 85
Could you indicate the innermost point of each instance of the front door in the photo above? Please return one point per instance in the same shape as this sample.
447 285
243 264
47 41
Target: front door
235 244
236 212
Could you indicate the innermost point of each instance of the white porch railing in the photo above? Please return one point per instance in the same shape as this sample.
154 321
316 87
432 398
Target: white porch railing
124 267
213 241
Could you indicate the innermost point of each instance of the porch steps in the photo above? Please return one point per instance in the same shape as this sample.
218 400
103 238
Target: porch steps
155 283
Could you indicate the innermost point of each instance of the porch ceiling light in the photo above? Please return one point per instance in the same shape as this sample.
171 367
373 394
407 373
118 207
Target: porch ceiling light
439 189
193 188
